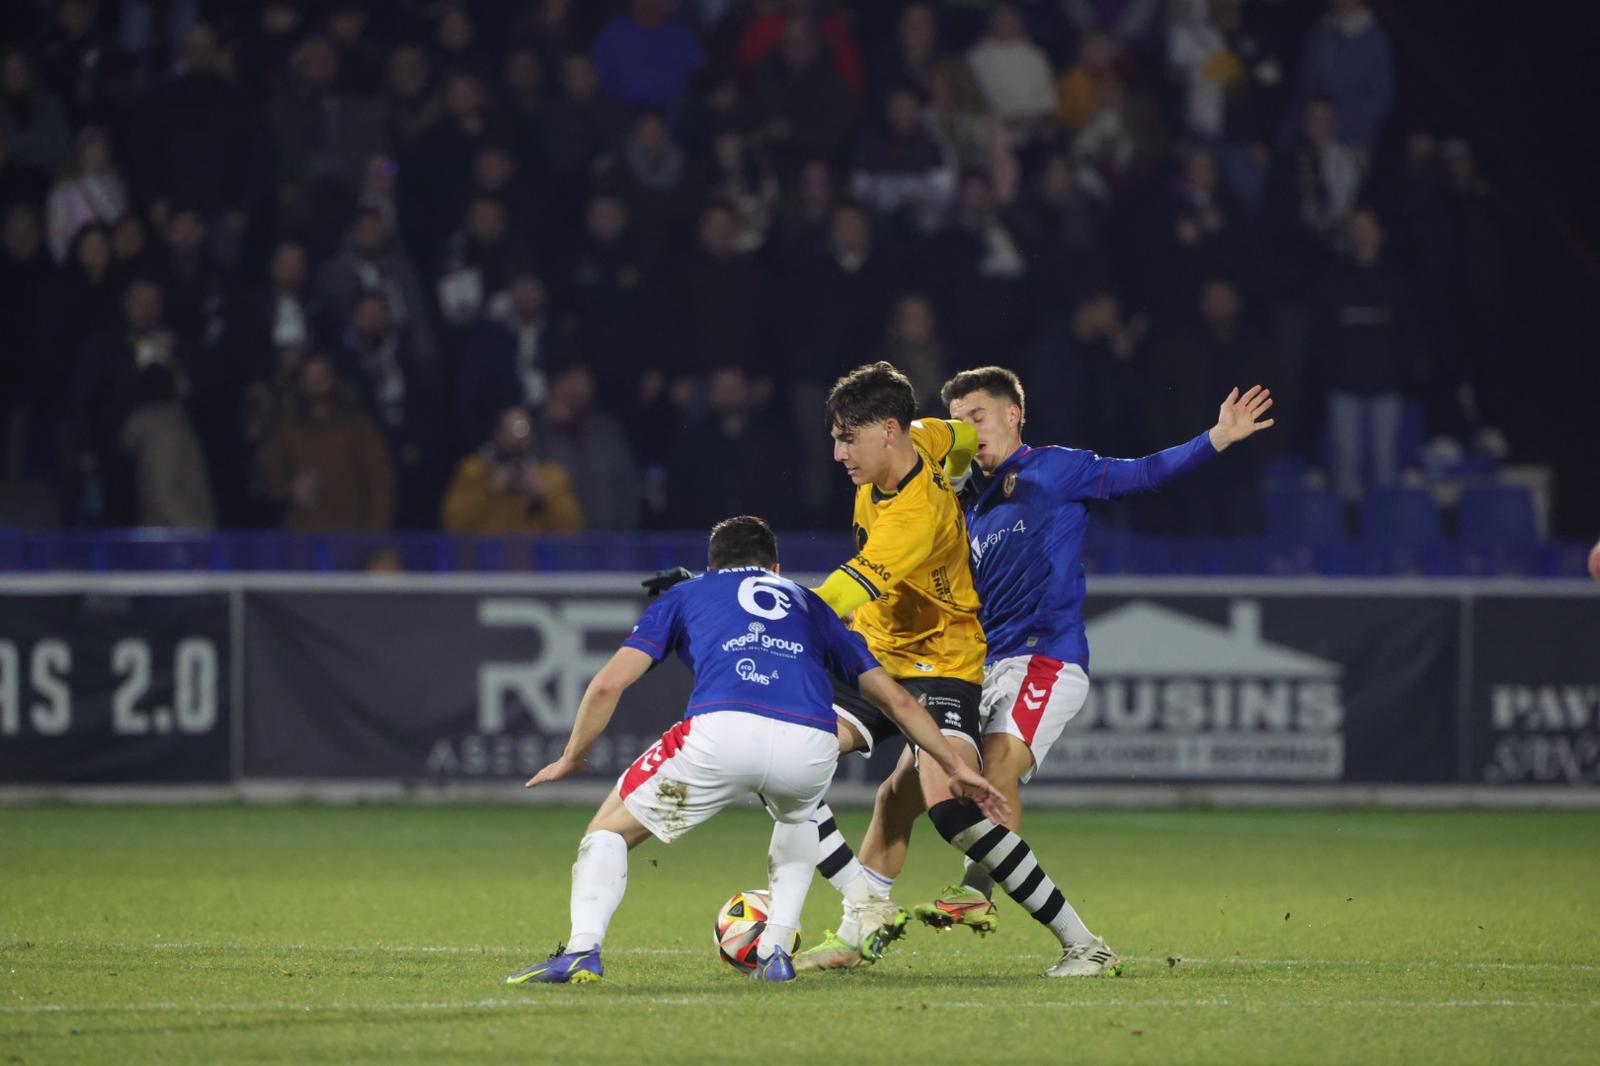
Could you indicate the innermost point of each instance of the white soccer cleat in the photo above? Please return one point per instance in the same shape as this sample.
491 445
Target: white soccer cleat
1094 959
882 923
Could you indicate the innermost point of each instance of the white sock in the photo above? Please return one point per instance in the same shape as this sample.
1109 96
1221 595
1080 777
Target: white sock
1069 928
858 892
977 877
774 937
879 885
599 878
791 858
851 883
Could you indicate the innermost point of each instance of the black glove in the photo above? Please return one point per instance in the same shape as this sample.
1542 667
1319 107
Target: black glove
664 580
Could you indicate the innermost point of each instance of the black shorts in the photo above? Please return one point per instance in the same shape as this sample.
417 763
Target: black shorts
953 704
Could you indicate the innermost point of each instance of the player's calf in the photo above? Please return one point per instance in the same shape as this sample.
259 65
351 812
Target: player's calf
1011 862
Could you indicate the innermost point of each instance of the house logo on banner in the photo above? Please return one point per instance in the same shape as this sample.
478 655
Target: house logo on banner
1179 697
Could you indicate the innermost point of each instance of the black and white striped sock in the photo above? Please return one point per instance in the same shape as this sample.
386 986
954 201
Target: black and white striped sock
835 860
1009 860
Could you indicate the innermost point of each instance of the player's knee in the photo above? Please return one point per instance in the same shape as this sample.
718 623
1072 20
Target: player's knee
884 798
952 818
897 804
1006 760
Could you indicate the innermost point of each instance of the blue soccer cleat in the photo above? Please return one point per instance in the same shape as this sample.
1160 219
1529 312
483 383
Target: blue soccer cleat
562 968
776 967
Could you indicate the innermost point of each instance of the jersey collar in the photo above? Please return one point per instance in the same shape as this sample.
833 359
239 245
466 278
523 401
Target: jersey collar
878 495
991 480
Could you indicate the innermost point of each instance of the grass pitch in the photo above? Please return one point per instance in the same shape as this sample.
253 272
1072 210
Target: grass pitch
307 935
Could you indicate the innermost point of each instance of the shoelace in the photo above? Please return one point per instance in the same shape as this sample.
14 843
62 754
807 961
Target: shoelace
1091 951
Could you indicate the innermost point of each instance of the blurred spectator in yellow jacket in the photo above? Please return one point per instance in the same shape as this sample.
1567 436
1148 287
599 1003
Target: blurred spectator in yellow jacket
506 487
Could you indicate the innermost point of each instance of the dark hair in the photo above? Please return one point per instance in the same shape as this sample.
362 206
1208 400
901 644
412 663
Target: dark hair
871 393
997 381
744 540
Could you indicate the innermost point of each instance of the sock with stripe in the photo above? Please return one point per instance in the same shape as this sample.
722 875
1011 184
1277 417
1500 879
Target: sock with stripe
1008 859
835 860
838 864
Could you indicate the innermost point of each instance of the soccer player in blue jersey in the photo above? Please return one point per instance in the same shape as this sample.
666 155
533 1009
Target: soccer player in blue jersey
760 721
1026 515
910 591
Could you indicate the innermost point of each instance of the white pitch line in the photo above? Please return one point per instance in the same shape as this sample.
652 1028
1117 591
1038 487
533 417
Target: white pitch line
395 949
264 1008
336 949
1314 1004
1426 964
504 949
679 1001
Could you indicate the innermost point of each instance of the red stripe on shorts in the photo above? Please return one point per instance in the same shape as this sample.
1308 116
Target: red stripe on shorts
646 765
1034 695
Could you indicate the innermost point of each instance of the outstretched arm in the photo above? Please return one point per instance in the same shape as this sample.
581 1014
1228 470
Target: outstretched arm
1239 417
920 729
594 713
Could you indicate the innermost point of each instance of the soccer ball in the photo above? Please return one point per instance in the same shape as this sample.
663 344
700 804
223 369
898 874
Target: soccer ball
740 923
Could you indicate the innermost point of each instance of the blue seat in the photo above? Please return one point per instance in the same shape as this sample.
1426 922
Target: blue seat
1498 517
1566 558
1243 556
1162 555
1305 518
1499 533
1402 517
1400 532
1285 473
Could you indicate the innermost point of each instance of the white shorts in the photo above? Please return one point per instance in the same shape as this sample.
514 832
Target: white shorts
708 762
1032 697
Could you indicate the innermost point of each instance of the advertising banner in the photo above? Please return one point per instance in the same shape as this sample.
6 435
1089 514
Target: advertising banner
1535 691
106 688
439 686
412 680
1210 688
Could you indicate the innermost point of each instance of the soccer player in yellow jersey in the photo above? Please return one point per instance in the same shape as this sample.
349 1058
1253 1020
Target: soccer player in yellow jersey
909 592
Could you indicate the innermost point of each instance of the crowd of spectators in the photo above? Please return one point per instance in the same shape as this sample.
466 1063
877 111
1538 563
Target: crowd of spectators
546 266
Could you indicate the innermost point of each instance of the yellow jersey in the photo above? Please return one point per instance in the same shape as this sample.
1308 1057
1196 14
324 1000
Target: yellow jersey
921 619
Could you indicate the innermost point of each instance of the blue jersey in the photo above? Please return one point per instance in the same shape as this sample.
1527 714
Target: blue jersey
756 642
1027 522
